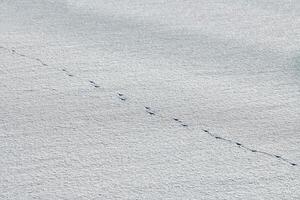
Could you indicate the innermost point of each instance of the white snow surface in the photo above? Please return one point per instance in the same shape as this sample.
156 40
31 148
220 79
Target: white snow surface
140 99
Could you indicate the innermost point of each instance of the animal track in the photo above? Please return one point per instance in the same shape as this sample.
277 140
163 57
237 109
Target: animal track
149 111
122 97
249 149
94 84
180 122
13 51
37 59
68 73
240 145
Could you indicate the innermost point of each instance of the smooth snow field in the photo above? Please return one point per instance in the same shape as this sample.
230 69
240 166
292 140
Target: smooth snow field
150 99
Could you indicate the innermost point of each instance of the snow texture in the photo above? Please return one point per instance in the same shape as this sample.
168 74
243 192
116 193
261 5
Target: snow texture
139 99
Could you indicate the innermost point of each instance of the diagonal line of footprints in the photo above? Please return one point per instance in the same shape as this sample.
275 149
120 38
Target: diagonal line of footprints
122 97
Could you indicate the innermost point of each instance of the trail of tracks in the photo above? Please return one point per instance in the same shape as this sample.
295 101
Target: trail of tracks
151 112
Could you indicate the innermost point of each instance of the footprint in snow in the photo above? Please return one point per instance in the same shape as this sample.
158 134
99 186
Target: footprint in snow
149 111
181 122
122 97
94 84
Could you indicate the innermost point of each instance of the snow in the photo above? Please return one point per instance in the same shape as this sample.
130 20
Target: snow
149 99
